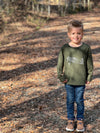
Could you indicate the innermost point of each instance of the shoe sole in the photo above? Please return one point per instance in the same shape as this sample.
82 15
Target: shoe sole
80 130
69 129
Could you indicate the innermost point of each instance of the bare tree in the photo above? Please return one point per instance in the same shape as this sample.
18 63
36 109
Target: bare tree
70 3
1 5
66 6
84 4
49 7
89 6
1 2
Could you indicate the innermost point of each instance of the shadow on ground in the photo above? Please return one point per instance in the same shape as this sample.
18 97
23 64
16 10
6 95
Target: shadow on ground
48 111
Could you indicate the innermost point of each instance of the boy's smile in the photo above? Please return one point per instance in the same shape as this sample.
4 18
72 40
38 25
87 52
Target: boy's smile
75 35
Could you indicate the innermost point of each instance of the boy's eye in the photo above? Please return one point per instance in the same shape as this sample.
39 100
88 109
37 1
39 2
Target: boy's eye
78 33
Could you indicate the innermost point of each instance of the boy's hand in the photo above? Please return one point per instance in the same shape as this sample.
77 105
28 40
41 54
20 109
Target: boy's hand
87 82
65 81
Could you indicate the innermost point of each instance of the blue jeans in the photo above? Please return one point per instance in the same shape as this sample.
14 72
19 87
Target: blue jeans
75 94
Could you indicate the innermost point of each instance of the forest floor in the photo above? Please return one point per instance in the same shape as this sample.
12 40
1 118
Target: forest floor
32 99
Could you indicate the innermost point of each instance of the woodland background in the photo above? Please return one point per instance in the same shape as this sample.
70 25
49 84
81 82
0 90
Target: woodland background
32 99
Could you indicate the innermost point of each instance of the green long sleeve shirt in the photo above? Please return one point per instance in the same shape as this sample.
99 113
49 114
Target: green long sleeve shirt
75 64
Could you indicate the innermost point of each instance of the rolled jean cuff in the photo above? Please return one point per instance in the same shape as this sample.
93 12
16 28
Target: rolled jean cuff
80 119
71 119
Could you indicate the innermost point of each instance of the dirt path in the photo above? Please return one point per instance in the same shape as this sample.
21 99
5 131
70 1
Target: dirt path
32 99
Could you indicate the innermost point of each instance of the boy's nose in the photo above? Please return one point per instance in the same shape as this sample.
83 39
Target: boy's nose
76 35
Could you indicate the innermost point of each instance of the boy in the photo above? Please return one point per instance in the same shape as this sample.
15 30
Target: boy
75 68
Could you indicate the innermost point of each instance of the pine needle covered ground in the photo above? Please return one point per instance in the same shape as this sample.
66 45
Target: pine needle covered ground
32 100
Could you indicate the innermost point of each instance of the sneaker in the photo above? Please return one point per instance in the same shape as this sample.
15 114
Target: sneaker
70 126
80 126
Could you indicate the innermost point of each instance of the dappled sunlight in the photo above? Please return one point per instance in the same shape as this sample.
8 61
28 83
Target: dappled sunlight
9 62
32 98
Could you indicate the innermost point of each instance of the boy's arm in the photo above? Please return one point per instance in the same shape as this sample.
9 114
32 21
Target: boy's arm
89 66
60 66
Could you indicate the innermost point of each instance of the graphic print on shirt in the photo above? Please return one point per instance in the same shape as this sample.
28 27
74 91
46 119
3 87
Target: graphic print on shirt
75 60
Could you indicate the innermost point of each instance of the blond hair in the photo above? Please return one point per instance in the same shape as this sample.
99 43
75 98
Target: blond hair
74 23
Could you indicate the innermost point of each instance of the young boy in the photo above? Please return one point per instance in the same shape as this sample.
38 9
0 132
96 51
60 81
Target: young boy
75 68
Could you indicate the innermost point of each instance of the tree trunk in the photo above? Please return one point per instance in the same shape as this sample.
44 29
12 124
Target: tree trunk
89 5
74 4
70 3
8 6
1 5
37 7
32 6
42 7
49 8
25 2
66 6
84 4
1 2
59 10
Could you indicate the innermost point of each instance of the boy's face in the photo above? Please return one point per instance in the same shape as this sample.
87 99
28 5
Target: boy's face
75 35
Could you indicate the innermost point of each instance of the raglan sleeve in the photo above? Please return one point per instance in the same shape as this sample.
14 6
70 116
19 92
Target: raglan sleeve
89 65
60 66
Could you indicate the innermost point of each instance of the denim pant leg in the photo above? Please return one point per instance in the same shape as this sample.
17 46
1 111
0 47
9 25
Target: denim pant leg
70 101
79 98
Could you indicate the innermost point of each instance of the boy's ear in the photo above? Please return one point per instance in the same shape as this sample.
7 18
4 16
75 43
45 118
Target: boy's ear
68 34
